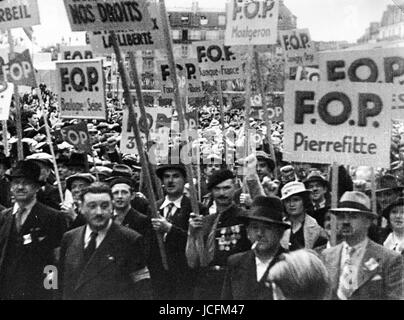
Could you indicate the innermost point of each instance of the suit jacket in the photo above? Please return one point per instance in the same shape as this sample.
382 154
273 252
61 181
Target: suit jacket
380 275
311 230
107 275
240 282
25 260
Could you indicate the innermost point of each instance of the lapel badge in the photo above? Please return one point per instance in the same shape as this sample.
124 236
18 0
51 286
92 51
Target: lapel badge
371 264
110 258
27 239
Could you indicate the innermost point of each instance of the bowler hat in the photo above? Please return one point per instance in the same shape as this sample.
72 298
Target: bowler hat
263 156
218 177
79 176
398 203
266 209
176 166
293 188
387 182
355 202
26 169
316 176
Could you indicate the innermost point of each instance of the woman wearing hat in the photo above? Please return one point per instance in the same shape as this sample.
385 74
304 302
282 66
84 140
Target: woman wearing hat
305 231
395 214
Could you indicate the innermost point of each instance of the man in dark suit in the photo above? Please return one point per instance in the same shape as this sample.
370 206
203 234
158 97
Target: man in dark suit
102 260
359 268
30 234
178 281
247 272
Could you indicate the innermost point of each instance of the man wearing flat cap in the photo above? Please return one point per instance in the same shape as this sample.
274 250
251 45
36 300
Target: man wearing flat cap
359 268
178 282
30 234
247 271
213 238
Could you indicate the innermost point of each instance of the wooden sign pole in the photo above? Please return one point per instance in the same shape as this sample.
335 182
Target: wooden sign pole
20 155
334 203
268 123
139 143
221 105
5 137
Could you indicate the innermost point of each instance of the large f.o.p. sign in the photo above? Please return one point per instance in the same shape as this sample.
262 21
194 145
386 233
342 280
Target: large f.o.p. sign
99 15
81 87
348 123
251 22
370 66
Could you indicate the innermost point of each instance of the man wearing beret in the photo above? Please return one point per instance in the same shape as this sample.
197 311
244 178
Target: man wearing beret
178 281
247 271
359 268
30 235
212 239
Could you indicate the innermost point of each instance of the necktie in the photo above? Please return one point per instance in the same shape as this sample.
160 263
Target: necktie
18 218
170 209
346 281
92 245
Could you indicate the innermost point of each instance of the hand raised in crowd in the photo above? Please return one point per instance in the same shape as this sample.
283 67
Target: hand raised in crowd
68 211
245 199
195 221
161 224
271 188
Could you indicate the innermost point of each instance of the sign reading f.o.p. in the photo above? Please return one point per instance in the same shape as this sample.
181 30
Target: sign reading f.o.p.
99 15
379 66
217 61
328 122
251 22
81 89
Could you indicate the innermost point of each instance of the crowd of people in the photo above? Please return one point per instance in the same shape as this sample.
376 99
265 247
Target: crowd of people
262 233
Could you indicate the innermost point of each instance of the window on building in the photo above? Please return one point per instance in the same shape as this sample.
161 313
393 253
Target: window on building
184 35
185 20
222 20
195 35
204 21
212 35
175 34
184 51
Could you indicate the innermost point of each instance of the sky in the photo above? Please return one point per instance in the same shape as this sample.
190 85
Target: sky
327 20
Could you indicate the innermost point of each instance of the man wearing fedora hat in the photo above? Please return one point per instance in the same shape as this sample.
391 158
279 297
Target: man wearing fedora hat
247 271
30 234
359 268
178 281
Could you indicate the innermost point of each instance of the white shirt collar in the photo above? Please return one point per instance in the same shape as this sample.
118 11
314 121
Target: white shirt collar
100 237
262 267
28 207
177 203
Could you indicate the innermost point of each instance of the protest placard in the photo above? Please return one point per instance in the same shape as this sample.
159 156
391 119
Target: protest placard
328 122
18 14
217 61
128 40
19 69
100 15
81 89
251 22
371 66
6 93
77 135
76 52
188 78
298 48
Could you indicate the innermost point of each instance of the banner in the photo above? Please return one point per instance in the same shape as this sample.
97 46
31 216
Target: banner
81 89
19 69
299 50
348 123
217 61
251 22
77 135
18 14
370 66
307 74
6 93
100 15
131 40
189 79
76 52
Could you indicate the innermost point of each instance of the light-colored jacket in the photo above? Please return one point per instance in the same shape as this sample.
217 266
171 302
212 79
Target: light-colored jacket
311 231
